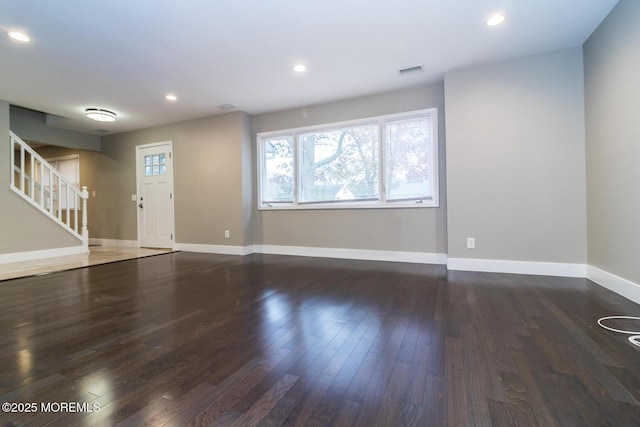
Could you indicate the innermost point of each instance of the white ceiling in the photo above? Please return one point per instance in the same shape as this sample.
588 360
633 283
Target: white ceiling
125 55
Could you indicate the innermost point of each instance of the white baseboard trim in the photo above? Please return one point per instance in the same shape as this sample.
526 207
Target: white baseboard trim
517 267
371 255
362 254
45 253
214 249
624 287
116 243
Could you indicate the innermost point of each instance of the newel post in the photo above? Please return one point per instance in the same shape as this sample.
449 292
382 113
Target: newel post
85 230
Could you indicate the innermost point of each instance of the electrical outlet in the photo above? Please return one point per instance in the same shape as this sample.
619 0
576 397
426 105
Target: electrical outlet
226 234
471 243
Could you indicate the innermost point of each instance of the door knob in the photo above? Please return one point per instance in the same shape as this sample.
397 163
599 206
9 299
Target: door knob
140 205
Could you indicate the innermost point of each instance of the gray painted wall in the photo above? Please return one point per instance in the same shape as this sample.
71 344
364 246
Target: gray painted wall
248 175
22 227
407 230
208 180
32 126
612 93
515 167
516 159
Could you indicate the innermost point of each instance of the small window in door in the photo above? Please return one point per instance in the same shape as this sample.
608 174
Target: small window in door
155 164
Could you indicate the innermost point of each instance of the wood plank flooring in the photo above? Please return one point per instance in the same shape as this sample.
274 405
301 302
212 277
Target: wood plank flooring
187 339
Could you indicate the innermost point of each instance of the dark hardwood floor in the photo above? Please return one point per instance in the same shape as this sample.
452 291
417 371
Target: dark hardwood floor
193 339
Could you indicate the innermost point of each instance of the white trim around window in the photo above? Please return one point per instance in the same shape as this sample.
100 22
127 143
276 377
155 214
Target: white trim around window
386 161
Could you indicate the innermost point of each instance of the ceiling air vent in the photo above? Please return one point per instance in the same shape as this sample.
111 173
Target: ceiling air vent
410 70
226 107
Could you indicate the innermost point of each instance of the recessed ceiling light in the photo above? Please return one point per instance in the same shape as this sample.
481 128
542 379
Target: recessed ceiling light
100 115
171 97
299 68
496 19
19 36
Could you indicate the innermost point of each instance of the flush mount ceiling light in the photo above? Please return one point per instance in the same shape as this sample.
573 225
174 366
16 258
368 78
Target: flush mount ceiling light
171 97
299 68
495 19
100 115
19 36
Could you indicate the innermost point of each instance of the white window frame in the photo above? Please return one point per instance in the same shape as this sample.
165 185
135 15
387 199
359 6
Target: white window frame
382 202
261 171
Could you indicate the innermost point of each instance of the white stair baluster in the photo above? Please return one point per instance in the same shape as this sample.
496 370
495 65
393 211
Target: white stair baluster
49 200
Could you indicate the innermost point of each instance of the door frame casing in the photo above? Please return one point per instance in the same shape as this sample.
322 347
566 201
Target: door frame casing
139 190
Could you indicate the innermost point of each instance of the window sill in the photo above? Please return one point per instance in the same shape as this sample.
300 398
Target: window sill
332 206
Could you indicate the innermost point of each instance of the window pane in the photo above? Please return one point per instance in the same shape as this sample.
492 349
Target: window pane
155 159
147 160
147 170
408 160
156 170
344 164
339 165
277 179
162 159
163 169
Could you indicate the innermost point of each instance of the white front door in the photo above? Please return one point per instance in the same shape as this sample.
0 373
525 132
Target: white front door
155 195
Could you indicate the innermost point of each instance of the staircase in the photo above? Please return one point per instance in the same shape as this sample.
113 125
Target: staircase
41 185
